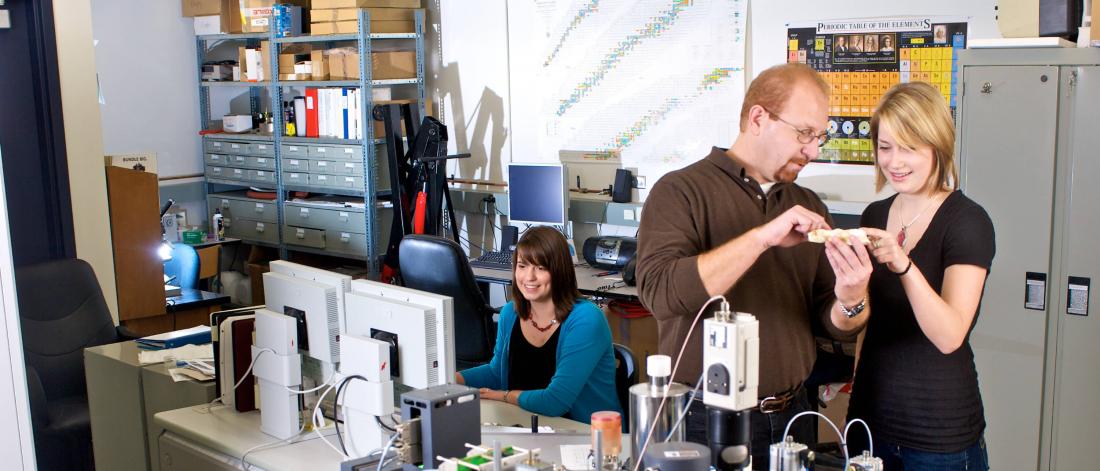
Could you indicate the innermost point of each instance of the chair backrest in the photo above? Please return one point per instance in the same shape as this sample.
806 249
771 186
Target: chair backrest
626 375
62 311
438 265
183 267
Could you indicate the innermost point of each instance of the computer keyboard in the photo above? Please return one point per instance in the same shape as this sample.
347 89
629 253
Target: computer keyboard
494 260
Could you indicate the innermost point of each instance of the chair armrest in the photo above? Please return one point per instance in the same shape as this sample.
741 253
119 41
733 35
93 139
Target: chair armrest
124 333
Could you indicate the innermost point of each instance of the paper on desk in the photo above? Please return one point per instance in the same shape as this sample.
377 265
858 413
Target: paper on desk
575 456
184 374
493 428
186 352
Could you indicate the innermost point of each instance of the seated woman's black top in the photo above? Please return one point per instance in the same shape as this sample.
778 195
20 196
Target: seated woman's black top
530 368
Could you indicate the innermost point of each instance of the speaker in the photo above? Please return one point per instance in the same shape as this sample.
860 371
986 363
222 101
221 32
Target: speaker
508 238
1060 18
624 182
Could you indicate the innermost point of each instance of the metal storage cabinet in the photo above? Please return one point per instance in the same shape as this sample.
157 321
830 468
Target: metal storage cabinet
1028 144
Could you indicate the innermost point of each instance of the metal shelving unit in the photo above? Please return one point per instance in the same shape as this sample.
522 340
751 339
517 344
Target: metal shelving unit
363 40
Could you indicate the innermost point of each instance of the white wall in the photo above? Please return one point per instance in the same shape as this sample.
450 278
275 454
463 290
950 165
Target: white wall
84 142
145 58
16 437
475 42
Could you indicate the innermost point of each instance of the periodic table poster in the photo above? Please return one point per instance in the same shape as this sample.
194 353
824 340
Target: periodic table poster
862 59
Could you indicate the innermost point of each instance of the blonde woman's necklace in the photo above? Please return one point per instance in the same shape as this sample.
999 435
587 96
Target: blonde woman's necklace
902 234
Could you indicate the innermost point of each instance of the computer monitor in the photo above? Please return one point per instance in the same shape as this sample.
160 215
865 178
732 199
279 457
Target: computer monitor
315 307
537 194
443 317
421 355
337 280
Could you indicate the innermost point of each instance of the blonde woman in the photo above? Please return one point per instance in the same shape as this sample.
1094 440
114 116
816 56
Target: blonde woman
916 385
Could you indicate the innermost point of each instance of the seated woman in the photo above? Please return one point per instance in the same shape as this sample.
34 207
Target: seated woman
553 354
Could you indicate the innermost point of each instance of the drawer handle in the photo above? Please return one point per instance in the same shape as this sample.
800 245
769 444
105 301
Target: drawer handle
349 165
303 213
345 237
225 204
294 162
321 150
294 148
300 233
260 206
348 151
260 227
261 161
322 163
344 217
235 146
261 147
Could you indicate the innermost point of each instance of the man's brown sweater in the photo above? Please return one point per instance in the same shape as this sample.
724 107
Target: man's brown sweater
698 208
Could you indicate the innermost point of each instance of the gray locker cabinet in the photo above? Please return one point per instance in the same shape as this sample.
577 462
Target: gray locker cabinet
1027 145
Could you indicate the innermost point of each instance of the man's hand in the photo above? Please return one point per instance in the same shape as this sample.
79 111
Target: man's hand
852 267
790 228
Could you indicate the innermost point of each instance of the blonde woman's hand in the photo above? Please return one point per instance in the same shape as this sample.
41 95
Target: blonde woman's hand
885 250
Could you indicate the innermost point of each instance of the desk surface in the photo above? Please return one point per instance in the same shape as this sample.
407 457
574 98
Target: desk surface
587 281
223 430
190 298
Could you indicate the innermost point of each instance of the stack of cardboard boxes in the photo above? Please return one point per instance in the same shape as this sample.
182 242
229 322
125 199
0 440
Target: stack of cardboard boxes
341 16
234 16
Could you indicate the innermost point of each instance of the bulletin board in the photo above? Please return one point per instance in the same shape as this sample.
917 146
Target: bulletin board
862 59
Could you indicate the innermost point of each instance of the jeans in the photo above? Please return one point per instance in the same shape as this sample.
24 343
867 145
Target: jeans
897 457
766 428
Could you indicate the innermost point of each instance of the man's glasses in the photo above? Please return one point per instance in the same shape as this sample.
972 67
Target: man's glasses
804 136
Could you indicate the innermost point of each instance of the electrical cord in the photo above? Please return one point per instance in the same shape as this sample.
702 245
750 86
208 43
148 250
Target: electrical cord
676 365
243 377
843 440
339 392
870 440
694 393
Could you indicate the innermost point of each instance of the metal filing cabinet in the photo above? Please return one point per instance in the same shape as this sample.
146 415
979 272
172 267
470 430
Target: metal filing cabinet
246 218
1027 145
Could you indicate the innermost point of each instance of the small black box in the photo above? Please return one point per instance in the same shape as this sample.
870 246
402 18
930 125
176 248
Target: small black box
624 182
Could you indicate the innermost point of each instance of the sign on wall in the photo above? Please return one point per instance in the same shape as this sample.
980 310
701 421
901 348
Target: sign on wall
861 60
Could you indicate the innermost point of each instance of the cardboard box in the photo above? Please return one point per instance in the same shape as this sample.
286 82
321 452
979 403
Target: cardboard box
1095 28
211 24
639 334
384 65
145 161
351 14
330 4
319 63
352 27
288 56
255 15
201 7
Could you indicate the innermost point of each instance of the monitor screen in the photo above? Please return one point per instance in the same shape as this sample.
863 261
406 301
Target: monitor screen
537 194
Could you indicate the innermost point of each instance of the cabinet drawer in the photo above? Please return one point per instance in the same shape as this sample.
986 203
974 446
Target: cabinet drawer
238 161
322 166
350 181
304 236
215 159
353 153
295 178
330 219
216 146
215 202
236 147
217 172
264 149
262 163
248 229
255 210
295 165
293 150
262 176
347 168
324 152
236 174
351 243
328 181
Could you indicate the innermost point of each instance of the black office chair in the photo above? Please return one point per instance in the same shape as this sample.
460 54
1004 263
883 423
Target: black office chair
62 311
439 265
626 375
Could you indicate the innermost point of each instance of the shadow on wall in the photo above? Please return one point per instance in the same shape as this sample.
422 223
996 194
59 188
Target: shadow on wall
485 160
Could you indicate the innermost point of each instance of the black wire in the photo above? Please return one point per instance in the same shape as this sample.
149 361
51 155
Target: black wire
336 404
